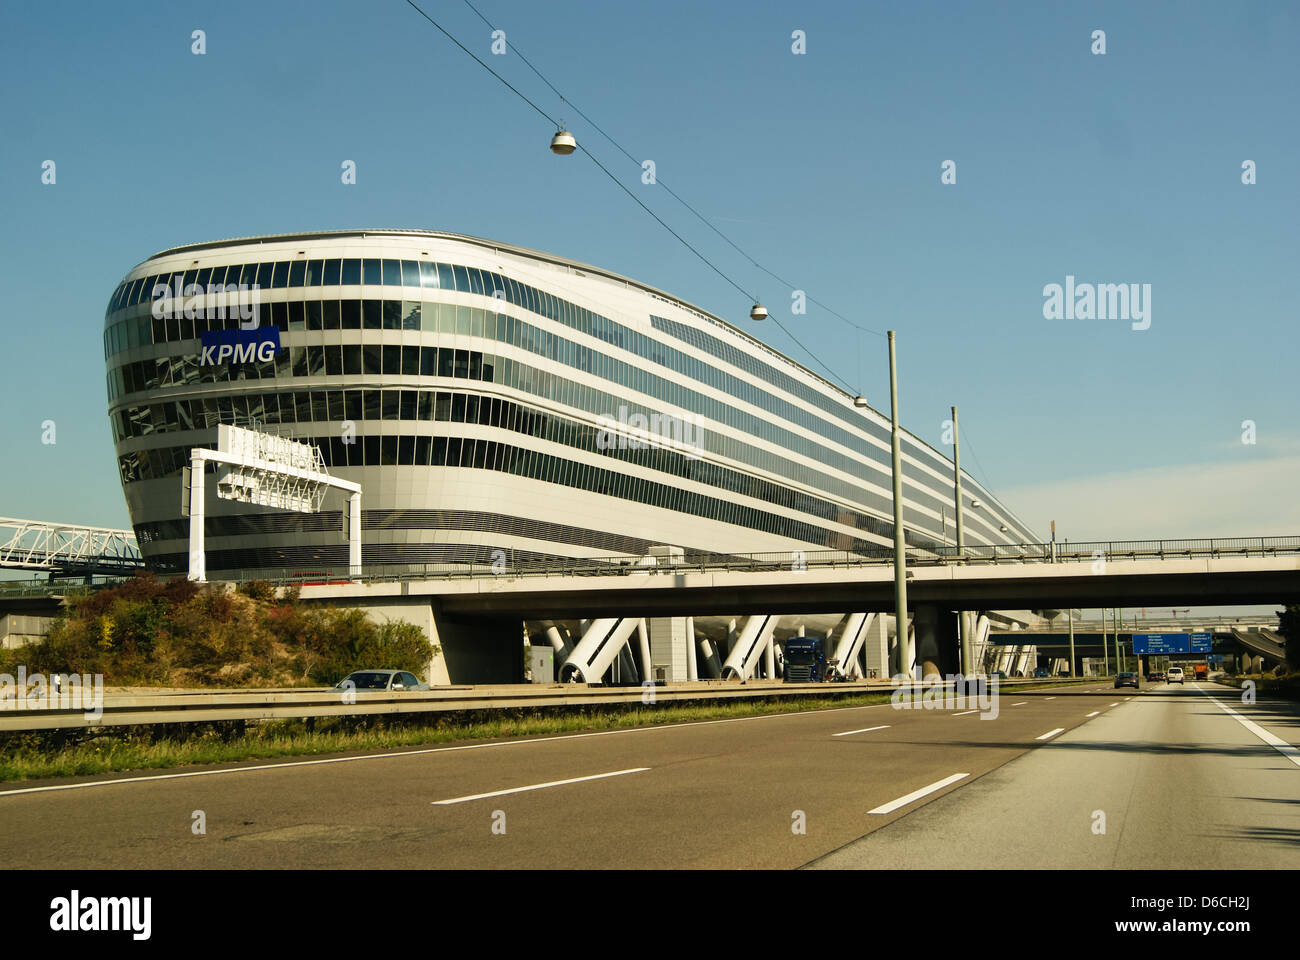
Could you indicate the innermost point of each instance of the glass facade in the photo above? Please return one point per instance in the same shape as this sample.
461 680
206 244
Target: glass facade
395 352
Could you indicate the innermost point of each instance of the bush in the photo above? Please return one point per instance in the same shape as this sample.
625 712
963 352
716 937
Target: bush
149 632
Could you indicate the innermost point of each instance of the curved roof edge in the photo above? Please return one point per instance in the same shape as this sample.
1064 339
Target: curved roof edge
497 245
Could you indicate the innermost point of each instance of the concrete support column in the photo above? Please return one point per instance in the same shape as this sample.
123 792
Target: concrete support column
711 664
875 647
966 623
769 657
928 653
354 536
198 558
643 638
692 666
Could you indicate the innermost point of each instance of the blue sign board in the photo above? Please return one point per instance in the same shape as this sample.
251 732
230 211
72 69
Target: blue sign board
239 346
1165 643
1161 643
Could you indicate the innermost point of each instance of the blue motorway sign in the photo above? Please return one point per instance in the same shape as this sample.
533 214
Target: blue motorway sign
1163 643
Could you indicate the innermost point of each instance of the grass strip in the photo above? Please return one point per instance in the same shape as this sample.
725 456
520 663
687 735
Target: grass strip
44 755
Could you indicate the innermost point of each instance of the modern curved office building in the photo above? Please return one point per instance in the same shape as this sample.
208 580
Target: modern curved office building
494 403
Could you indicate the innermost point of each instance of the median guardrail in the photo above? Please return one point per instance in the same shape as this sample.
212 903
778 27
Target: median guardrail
217 706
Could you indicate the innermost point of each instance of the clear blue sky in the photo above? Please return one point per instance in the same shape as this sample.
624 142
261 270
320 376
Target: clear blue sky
826 167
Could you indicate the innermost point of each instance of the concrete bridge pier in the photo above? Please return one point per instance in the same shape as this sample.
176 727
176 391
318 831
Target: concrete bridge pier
937 649
478 651
875 647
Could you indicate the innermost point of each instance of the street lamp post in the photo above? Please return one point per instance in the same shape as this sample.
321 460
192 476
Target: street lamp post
1071 609
900 546
963 635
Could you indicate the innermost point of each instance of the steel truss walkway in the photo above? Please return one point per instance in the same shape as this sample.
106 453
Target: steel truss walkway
64 548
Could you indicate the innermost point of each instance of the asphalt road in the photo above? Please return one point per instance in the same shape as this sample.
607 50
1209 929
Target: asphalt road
1182 783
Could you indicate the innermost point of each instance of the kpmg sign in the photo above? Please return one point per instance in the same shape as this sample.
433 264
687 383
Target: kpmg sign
1163 643
239 346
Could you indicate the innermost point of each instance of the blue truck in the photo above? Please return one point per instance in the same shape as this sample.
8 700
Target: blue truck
805 660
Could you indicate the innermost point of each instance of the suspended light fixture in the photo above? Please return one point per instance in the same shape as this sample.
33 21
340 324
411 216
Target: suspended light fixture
859 401
758 312
563 143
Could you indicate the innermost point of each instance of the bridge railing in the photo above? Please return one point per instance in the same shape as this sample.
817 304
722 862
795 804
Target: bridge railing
924 555
917 555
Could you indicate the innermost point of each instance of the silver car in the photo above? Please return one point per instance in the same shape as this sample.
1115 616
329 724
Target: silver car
381 680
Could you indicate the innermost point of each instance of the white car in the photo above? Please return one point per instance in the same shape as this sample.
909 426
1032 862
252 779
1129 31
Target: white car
1175 675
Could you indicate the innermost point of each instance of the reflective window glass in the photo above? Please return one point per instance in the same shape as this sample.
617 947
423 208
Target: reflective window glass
351 310
428 274
462 278
410 273
352 358
475 280
373 272
411 315
330 274
393 273
446 279
392 359
264 271
331 317
315 270
280 277
351 272
370 314
392 312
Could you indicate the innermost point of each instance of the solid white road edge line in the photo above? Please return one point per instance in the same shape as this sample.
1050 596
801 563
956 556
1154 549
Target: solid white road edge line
1095 713
1050 733
1276 742
537 786
893 805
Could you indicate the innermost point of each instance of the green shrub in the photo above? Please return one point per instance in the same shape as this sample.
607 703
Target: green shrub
149 632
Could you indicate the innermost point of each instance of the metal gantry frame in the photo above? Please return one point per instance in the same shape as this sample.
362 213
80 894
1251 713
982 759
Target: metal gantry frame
271 471
38 545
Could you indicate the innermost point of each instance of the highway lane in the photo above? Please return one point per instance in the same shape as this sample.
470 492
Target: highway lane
1175 781
719 794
